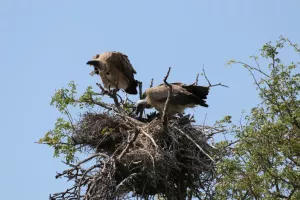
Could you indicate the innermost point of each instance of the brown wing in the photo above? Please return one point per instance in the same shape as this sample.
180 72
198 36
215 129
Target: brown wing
180 95
122 63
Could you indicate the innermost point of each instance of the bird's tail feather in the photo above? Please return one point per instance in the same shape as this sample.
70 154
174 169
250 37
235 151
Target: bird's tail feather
132 87
199 91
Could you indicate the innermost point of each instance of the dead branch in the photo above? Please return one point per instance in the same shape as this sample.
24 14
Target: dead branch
151 83
112 95
210 85
196 82
130 142
164 116
195 144
152 140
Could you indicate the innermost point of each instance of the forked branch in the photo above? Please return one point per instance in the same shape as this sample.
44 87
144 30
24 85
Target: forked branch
212 85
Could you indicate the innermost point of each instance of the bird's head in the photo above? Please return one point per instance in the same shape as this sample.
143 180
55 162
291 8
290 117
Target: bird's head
97 64
140 106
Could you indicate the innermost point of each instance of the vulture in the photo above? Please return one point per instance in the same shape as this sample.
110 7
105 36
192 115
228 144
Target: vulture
115 71
183 96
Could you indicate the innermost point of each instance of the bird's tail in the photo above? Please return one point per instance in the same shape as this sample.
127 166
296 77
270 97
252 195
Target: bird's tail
132 87
199 91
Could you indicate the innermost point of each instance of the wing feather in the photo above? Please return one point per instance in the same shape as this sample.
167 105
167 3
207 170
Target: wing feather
122 63
180 96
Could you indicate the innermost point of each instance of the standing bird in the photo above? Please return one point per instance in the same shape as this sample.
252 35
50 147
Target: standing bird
115 71
183 96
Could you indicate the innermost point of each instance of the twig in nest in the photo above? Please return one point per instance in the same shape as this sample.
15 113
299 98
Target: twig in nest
210 85
152 140
196 82
125 180
188 137
164 116
130 142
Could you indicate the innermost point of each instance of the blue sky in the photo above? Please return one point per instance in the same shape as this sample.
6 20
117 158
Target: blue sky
45 45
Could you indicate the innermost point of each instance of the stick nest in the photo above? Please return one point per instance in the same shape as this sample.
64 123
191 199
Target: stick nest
144 159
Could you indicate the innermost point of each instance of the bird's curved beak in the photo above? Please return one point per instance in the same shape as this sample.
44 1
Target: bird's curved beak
96 63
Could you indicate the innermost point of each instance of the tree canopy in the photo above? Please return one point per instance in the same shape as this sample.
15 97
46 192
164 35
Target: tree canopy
180 162
265 162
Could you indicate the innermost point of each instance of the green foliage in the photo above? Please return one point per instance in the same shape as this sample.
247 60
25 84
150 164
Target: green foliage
60 140
265 163
60 137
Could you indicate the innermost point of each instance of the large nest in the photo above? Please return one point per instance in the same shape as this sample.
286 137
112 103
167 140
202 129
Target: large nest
145 159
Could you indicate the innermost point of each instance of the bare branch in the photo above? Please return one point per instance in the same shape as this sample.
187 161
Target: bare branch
130 142
196 82
112 95
195 144
210 85
151 83
164 116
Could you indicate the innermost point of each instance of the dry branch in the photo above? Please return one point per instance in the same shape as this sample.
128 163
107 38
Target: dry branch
210 85
164 116
196 82
151 83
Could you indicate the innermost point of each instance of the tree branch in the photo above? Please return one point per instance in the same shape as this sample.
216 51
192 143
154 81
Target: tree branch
196 82
210 85
164 116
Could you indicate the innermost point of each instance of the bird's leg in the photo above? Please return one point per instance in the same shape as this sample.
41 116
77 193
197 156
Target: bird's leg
103 90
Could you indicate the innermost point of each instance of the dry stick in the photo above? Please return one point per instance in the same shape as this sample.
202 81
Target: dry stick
128 145
140 89
188 137
196 82
210 85
164 116
114 95
152 140
151 83
124 181
83 175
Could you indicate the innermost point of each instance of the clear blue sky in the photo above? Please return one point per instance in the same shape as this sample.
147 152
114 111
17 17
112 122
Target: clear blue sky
45 44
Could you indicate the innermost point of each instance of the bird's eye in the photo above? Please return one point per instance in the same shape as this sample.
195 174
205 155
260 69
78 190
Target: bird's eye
107 73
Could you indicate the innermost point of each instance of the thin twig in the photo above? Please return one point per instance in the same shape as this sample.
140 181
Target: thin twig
128 145
196 82
164 116
112 95
151 83
210 85
125 180
152 140
188 137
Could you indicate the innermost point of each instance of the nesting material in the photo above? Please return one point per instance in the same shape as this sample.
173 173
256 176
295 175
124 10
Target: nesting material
145 158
